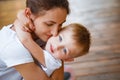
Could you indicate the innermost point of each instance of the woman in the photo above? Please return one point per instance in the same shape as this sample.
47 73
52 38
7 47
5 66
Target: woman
47 17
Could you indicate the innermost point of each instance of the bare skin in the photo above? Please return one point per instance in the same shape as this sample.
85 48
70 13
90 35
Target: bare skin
34 70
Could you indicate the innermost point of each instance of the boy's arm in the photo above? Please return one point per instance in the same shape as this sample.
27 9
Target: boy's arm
31 71
35 50
29 43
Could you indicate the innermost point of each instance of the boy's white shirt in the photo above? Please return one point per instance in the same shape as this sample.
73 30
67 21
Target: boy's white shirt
51 63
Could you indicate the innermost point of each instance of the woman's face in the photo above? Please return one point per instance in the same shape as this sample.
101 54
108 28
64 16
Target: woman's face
49 24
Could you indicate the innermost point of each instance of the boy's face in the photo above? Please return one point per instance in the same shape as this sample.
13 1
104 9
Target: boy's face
62 46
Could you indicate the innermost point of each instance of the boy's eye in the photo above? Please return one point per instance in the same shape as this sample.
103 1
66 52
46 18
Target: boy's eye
65 50
60 38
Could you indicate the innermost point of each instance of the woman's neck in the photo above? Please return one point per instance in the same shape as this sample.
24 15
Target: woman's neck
34 36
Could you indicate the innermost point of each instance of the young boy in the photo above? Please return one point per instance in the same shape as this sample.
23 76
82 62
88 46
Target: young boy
71 42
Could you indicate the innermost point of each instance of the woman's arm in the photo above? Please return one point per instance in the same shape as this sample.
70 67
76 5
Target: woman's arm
30 71
58 74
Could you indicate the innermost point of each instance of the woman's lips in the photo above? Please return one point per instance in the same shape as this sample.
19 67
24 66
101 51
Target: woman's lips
48 36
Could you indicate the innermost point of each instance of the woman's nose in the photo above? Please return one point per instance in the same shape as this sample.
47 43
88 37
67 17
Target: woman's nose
54 31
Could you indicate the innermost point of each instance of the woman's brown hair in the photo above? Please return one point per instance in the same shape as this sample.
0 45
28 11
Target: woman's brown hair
37 6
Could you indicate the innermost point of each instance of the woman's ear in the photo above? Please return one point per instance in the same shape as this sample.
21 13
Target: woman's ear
28 12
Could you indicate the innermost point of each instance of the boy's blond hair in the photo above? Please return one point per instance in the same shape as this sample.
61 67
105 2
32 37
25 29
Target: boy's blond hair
81 36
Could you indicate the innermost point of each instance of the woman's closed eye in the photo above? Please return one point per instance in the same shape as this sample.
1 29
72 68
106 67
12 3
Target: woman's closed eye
49 23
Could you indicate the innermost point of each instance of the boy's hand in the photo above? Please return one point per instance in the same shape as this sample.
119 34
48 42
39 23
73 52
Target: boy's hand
21 33
25 21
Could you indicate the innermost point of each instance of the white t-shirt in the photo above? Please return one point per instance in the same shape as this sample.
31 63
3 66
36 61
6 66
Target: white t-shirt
51 63
13 53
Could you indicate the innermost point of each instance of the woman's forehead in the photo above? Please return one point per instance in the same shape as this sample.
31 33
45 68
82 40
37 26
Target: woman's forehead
58 14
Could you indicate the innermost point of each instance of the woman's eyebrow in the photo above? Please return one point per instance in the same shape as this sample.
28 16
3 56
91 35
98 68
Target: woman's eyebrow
52 21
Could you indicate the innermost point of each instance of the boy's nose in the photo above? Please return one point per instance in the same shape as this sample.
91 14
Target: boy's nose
57 47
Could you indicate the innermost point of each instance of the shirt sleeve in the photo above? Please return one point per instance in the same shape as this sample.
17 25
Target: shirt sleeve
51 63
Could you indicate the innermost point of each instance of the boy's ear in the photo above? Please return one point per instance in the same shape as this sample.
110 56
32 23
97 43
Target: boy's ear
69 60
27 12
